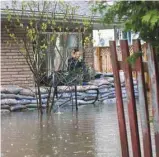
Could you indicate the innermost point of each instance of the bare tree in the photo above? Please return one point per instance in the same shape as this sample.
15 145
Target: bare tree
45 26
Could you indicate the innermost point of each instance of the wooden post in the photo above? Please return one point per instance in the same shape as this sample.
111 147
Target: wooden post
144 112
99 58
154 78
131 100
119 101
76 97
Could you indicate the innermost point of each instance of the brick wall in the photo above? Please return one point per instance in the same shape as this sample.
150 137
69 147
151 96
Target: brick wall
14 69
89 55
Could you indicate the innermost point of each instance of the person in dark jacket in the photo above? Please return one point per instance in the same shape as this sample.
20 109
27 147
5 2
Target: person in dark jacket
75 63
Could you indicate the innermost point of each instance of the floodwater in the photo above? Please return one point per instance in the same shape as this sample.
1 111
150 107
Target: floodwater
92 132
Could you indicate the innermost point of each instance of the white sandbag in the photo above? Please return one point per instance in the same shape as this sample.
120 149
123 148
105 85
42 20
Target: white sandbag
9 101
23 102
88 98
34 101
8 96
44 101
82 102
11 89
19 97
106 90
43 96
99 82
27 92
108 93
110 80
17 108
95 94
91 91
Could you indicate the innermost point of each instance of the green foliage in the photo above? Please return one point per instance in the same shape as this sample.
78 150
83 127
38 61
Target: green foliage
132 58
137 16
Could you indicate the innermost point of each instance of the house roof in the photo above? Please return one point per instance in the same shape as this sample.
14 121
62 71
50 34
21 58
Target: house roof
83 10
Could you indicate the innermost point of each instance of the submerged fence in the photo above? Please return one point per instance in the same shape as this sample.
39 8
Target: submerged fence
140 67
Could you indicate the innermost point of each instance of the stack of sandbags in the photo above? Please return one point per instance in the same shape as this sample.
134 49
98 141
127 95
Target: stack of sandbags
85 95
15 98
106 87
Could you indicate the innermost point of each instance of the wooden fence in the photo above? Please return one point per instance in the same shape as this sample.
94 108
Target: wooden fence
102 60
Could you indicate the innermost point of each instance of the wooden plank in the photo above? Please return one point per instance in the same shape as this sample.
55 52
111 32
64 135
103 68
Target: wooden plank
119 101
154 77
99 58
144 113
131 100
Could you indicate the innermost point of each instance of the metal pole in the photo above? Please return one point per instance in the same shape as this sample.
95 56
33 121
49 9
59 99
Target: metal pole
76 97
154 77
119 100
144 112
131 100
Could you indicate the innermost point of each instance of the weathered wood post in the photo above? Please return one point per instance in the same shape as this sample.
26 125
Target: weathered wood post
131 100
154 87
144 112
119 100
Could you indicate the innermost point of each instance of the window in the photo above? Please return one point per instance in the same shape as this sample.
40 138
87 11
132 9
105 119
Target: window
57 53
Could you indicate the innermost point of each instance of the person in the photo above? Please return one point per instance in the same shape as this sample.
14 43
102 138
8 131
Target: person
75 62
76 67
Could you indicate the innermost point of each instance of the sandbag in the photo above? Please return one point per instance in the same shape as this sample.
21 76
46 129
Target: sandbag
91 91
5 107
11 89
19 97
8 96
9 101
27 92
82 102
88 98
34 101
23 102
18 108
43 96
34 105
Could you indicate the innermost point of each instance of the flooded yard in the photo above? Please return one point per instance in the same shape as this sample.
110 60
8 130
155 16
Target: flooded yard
92 132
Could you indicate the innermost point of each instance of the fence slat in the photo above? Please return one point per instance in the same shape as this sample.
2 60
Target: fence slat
120 108
144 112
131 100
154 79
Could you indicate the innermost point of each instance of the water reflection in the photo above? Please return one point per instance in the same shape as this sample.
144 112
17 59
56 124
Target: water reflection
92 132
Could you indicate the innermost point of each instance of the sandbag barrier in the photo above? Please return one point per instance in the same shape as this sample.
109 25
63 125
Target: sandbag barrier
14 98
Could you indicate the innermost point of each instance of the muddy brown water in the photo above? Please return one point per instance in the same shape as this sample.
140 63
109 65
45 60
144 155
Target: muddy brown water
91 132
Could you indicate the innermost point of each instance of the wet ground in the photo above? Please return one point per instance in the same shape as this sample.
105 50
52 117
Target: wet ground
92 132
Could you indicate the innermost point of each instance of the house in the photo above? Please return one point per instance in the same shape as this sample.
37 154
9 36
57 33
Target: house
14 69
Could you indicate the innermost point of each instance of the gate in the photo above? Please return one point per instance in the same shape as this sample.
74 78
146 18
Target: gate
139 67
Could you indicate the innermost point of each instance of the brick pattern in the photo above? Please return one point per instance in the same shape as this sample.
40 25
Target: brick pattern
89 55
14 69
